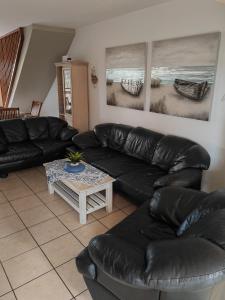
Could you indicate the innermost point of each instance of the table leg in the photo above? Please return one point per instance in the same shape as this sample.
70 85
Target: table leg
82 208
109 198
50 188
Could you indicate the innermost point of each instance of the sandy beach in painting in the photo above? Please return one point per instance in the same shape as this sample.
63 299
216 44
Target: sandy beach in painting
166 100
116 96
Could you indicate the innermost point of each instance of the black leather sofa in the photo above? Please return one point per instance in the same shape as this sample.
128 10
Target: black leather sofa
171 248
142 160
30 142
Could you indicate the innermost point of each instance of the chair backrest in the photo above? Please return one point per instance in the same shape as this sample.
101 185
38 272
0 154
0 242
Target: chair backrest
7 113
36 108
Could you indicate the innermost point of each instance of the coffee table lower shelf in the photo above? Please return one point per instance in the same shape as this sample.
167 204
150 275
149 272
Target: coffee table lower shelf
84 202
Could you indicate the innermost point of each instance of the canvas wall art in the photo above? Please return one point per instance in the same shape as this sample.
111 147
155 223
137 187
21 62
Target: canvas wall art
183 72
125 75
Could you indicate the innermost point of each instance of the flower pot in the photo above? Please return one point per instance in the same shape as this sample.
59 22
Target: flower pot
74 167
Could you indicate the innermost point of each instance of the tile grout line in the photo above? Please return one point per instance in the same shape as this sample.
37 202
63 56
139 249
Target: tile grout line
57 217
42 253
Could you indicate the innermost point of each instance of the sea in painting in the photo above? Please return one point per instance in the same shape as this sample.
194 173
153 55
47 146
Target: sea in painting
125 76
183 76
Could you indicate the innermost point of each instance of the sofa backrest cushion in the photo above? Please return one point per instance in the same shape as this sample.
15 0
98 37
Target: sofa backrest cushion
118 136
210 227
103 132
55 126
208 205
172 205
141 143
174 153
37 128
14 130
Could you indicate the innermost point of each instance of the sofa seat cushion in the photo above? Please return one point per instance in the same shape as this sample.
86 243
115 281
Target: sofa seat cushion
92 155
119 165
49 146
138 184
131 227
20 151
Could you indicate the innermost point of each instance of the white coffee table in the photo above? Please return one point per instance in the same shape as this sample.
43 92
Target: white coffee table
85 198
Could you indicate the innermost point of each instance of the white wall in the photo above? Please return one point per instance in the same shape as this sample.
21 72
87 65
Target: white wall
175 19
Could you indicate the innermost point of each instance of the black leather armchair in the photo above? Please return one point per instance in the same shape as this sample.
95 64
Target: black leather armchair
171 248
142 160
30 142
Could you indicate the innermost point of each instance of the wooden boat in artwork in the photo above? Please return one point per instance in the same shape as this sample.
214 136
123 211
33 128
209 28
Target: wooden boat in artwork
191 90
132 87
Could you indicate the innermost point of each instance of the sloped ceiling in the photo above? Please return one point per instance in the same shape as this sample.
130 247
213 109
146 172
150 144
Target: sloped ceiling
65 13
43 46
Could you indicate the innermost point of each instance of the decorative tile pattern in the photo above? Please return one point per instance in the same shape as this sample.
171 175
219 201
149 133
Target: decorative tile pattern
55 172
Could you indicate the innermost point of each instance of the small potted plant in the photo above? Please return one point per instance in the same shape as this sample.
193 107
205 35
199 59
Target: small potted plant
74 165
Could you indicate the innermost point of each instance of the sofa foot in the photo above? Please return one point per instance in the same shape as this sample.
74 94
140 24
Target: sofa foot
4 175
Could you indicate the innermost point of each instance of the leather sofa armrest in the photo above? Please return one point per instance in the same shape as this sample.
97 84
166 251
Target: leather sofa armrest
184 178
118 258
86 140
167 265
85 265
67 133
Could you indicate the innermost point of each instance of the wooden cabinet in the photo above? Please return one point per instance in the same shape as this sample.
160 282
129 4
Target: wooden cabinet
72 80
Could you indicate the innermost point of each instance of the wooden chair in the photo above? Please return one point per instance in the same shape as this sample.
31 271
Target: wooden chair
7 113
35 110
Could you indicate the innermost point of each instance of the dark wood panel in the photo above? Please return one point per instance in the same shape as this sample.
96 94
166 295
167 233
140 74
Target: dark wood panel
10 50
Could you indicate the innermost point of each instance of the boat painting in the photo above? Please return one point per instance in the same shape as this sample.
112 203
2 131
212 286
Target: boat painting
183 72
125 75
132 87
191 90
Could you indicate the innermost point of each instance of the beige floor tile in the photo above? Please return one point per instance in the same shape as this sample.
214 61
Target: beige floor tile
87 232
16 244
84 296
129 209
4 284
62 249
25 267
36 215
101 213
10 225
47 198
120 201
58 206
26 173
72 220
9 296
48 230
72 278
10 183
3 198
41 169
46 287
36 183
19 192
26 203
113 219
6 210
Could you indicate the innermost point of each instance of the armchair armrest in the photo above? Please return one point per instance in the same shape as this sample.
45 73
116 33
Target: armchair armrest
86 140
67 133
185 178
166 265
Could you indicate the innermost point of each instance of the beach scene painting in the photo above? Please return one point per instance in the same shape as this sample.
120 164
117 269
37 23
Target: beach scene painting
183 72
125 75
